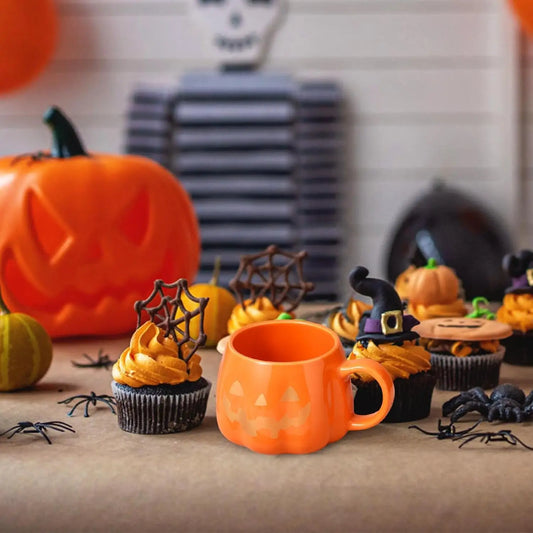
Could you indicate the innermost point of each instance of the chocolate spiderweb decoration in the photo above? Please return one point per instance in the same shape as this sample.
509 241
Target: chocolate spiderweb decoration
163 314
263 274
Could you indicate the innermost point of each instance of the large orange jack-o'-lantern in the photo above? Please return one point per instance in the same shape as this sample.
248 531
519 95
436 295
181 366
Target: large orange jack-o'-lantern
83 236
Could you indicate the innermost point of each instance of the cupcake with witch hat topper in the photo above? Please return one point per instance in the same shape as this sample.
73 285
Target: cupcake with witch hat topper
157 381
274 283
386 336
517 308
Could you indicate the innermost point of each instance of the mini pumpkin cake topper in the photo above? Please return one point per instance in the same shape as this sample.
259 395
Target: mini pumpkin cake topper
519 267
263 275
164 314
386 321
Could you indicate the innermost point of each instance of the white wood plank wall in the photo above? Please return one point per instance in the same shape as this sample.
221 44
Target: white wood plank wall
423 80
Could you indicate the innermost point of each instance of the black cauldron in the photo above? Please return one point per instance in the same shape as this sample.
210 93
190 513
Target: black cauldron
458 232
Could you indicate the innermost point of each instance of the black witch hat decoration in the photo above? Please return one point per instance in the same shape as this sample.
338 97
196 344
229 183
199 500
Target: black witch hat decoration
519 267
386 321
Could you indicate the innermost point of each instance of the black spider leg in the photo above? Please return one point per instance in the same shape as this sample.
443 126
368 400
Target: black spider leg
56 425
504 435
40 428
528 405
102 360
446 431
472 400
15 429
90 399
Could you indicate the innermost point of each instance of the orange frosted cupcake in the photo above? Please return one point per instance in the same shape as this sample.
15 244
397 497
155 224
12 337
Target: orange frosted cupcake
157 381
345 321
517 308
386 336
267 284
433 292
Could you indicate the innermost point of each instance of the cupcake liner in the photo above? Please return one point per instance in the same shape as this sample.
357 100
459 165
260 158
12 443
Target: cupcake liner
161 409
519 348
412 400
463 373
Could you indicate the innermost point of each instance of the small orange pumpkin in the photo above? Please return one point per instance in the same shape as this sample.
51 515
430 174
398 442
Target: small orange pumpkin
218 310
25 350
85 235
28 34
433 284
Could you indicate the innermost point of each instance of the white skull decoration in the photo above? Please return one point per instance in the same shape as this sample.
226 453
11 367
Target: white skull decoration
238 29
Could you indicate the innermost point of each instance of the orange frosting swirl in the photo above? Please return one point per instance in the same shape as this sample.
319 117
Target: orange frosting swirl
425 312
153 359
258 311
517 311
399 361
345 322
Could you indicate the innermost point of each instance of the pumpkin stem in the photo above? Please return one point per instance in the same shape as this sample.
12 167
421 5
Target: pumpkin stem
432 263
66 141
3 307
480 312
216 272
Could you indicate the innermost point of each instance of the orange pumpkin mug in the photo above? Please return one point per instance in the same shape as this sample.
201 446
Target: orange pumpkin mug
284 387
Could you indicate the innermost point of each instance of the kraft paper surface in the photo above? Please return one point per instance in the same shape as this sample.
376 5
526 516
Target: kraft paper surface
389 478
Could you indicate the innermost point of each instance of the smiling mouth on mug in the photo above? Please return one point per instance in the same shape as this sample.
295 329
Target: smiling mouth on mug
264 423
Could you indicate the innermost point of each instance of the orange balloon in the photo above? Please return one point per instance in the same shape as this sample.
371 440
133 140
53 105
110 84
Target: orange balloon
524 11
28 34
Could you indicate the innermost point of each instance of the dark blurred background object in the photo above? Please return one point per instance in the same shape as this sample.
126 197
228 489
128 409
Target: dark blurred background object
457 231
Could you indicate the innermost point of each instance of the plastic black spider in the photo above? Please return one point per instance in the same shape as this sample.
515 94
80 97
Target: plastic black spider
38 427
101 361
89 399
504 435
507 402
447 431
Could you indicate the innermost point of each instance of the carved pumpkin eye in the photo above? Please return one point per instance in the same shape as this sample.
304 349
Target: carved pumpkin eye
236 389
261 401
135 220
290 395
49 231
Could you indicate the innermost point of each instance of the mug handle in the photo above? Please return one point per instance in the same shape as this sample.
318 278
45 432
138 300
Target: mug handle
380 374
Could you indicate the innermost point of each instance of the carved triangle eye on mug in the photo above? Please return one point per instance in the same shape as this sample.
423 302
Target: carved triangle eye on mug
238 31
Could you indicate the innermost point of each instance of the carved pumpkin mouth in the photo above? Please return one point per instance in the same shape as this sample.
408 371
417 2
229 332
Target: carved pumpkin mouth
264 423
21 289
236 43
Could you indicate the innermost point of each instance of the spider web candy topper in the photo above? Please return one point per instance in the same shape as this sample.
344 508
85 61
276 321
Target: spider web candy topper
278 280
163 314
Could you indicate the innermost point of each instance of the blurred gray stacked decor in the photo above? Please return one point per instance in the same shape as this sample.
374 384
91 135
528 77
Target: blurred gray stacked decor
259 152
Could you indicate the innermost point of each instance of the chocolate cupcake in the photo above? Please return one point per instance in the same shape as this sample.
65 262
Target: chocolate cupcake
386 336
465 352
157 381
517 309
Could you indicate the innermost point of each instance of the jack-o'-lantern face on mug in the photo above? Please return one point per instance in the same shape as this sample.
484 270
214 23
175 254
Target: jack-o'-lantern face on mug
260 409
463 329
